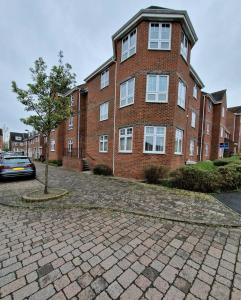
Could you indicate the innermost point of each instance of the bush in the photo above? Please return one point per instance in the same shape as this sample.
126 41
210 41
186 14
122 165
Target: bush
230 177
153 174
56 162
219 163
102 170
190 178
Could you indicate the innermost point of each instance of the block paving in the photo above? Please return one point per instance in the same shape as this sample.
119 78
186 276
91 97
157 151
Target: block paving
91 254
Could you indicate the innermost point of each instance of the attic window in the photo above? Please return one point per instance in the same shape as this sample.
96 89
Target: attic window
159 36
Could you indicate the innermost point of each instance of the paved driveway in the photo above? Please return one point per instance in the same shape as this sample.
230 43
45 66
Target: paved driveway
81 254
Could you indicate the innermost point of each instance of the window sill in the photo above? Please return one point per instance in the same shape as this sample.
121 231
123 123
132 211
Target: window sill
70 128
102 88
158 153
154 49
123 60
125 152
179 154
182 108
156 102
103 151
126 105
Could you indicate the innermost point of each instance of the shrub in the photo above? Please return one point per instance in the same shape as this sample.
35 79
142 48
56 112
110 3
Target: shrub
198 180
153 174
102 170
56 162
219 163
230 177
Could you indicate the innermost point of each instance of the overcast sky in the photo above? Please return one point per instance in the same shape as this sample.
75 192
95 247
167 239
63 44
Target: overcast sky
83 29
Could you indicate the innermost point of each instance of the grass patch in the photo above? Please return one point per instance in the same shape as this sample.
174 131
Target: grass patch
205 165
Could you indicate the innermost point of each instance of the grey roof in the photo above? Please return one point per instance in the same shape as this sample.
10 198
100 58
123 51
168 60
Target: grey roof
13 135
1 132
106 64
218 96
235 109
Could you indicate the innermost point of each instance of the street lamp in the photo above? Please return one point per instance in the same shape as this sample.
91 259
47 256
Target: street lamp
27 139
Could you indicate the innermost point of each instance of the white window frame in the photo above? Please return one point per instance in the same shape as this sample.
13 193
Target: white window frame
223 112
104 111
184 46
192 147
155 135
71 121
159 40
195 91
181 101
71 100
125 136
52 145
70 145
104 79
208 128
221 132
193 120
125 54
177 139
209 105
103 139
125 85
157 92
206 150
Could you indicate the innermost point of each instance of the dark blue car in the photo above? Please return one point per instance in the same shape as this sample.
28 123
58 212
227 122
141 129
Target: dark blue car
16 166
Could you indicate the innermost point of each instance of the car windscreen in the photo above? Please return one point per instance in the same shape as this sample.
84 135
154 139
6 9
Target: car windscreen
16 160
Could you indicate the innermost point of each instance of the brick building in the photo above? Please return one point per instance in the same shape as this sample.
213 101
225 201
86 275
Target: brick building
16 142
35 145
234 125
1 140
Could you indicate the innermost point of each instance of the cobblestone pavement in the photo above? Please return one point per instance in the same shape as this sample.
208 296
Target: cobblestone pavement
90 190
82 254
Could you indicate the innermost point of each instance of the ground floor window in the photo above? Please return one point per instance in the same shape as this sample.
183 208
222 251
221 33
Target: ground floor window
125 139
178 141
52 145
154 139
192 147
70 145
103 143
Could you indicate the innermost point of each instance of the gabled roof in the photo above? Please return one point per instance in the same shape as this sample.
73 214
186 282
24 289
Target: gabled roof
17 136
219 96
235 109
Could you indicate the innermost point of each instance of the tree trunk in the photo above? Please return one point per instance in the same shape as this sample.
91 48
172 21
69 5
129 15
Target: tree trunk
47 165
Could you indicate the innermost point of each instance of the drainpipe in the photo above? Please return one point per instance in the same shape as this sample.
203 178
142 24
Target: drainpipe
114 119
78 131
202 131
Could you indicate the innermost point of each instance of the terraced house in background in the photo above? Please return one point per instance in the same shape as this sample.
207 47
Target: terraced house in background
144 105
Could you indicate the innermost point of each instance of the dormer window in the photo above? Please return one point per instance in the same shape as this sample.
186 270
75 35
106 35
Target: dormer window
128 45
104 79
184 46
159 36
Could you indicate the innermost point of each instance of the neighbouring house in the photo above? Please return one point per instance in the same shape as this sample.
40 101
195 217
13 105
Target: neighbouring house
145 106
35 145
16 142
234 125
1 140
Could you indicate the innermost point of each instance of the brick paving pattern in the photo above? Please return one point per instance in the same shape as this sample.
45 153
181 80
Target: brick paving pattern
82 254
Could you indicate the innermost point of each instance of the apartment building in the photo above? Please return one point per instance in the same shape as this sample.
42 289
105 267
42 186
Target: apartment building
234 126
143 103
16 142
1 140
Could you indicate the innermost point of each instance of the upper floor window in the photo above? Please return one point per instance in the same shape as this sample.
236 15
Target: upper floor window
159 36
195 91
209 105
70 145
128 45
71 121
193 121
178 141
72 100
208 128
125 139
127 91
103 143
154 139
104 79
221 132
223 112
184 46
157 88
181 101
52 145
104 111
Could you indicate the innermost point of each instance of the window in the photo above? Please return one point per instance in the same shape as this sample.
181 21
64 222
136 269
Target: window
184 46
209 105
178 141
103 143
154 139
206 149
127 91
208 128
181 101
71 121
195 91
104 111
72 100
193 121
157 88
159 36
221 132
52 145
128 45
125 139
192 147
223 112
70 145
104 79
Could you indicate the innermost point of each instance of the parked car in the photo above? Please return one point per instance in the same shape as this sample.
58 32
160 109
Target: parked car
16 166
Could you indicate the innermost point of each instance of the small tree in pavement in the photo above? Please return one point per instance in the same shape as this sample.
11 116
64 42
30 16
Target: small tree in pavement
44 97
